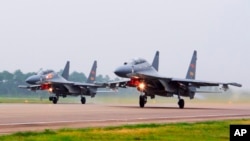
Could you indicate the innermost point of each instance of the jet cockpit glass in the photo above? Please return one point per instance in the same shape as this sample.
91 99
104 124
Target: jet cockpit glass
135 61
45 72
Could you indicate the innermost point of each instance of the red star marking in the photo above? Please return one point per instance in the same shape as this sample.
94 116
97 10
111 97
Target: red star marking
192 65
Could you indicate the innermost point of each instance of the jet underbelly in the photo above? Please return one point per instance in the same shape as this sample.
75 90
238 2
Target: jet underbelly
167 86
72 90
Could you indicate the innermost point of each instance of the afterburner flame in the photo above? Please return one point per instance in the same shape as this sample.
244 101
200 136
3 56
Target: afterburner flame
142 86
50 90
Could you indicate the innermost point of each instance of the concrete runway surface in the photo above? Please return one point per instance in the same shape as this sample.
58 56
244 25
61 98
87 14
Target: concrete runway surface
37 117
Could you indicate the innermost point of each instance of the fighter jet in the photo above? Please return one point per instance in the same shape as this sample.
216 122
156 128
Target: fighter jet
61 86
149 82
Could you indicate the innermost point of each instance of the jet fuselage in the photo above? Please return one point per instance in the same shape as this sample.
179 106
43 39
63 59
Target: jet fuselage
152 87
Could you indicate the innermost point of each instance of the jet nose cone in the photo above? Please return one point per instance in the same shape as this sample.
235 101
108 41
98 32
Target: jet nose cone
117 72
122 71
32 80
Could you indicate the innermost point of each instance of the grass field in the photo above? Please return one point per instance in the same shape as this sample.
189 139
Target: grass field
206 131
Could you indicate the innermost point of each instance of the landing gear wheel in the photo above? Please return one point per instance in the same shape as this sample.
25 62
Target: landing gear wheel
142 100
55 99
51 98
181 103
83 100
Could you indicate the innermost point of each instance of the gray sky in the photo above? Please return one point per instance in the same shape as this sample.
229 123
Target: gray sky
47 33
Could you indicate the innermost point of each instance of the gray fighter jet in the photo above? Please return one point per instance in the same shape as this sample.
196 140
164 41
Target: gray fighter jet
149 82
61 86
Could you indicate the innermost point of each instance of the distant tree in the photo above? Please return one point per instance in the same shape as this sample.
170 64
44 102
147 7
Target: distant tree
1 78
78 77
99 78
18 76
106 79
7 75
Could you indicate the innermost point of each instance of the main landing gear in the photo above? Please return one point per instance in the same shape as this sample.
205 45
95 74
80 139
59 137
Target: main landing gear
83 100
181 103
142 100
54 99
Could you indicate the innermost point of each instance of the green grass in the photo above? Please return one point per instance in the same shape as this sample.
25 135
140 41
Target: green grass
209 131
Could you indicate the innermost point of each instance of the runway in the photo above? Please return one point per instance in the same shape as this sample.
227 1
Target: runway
35 117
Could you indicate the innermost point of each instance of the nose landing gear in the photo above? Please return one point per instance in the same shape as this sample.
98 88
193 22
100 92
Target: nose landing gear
181 103
83 100
142 100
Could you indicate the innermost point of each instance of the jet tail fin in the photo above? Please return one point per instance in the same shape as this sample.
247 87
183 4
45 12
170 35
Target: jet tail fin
155 62
192 67
92 74
65 73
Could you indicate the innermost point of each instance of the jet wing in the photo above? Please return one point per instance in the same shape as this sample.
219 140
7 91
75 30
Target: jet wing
199 83
116 84
30 87
100 85
190 82
59 82
97 85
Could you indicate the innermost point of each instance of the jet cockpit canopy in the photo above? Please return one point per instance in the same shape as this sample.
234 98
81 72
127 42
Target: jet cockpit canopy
135 61
45 72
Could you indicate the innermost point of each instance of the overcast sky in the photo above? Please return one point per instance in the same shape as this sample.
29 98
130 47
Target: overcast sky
46 33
